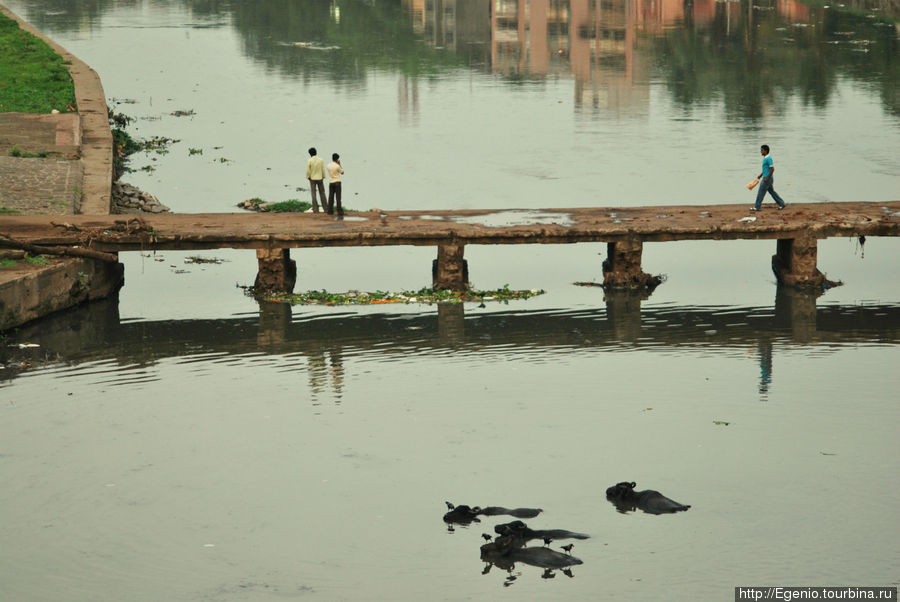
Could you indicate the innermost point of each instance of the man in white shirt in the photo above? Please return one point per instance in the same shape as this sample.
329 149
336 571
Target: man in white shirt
334 184
315 173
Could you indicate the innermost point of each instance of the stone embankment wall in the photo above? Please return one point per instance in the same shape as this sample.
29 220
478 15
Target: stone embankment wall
60 285
80 156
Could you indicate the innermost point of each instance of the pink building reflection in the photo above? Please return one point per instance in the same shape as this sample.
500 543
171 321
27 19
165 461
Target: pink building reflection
591 41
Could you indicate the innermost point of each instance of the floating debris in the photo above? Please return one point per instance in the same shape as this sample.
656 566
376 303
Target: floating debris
721 422
425 295
314 46
197 259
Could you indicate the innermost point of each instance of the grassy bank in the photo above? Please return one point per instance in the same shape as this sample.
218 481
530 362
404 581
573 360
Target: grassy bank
33 78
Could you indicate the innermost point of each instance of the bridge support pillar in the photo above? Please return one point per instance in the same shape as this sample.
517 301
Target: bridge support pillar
274 323
450 270
451 323
622 267
796 309
277 271
623 310
794 263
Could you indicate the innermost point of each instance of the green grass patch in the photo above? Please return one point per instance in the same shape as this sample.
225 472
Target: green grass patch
17 152
290 206
7 211
36 260
33 78
6 262
424 295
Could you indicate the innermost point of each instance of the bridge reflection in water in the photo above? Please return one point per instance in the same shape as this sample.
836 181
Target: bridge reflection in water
326 336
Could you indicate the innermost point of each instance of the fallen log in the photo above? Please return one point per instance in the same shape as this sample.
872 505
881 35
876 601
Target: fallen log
11 243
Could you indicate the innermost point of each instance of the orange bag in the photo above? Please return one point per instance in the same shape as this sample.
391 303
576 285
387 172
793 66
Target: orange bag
752 184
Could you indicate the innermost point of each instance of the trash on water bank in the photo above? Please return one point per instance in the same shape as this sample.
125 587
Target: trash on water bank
289 206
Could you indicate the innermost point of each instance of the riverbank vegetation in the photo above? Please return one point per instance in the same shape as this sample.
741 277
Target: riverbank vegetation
124 145
289 206
31 260
33 78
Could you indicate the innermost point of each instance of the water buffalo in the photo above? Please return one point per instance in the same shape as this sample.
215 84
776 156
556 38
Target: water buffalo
626 499
463 515
521 531
509 547
504 554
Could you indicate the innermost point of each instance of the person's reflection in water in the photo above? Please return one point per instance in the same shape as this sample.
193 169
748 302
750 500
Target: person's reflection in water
337 372
317 371
322 369
764 346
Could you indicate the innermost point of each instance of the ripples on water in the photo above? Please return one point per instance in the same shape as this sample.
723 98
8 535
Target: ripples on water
308 452
125 353
253 449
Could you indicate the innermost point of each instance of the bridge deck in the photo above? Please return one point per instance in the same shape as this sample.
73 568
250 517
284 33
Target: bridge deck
508 226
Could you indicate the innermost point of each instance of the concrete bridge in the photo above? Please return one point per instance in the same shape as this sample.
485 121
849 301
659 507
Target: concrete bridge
625 230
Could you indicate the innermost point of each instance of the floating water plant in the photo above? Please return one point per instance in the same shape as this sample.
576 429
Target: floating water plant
424 295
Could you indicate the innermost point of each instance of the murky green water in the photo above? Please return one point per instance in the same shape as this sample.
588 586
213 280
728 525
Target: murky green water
188 444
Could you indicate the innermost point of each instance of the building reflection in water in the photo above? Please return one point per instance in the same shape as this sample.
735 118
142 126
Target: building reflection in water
408 100
593 42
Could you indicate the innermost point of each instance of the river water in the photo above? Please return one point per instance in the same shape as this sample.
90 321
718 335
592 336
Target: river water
186 443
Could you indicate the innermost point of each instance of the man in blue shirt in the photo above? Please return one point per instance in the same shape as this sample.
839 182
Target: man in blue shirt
767 181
